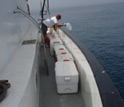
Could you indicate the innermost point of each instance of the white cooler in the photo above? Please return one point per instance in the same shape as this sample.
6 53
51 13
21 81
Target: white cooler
64 57
67 77
53 42
59 47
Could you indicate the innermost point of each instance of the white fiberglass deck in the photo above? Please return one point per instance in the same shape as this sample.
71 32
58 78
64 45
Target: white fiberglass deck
48 90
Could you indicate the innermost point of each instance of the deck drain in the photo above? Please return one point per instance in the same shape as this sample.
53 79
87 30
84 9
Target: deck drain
26 42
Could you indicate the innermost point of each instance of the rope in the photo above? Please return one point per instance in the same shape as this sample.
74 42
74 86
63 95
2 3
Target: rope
44 5
47 7
4 85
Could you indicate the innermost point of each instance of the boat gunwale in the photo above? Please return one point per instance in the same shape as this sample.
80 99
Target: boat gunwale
108 92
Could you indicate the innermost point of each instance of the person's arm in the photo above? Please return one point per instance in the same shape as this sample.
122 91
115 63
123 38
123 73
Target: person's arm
59 25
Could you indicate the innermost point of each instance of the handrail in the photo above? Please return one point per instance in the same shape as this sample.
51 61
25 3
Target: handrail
18 10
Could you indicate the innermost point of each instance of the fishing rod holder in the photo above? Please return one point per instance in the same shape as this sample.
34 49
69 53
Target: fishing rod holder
16 11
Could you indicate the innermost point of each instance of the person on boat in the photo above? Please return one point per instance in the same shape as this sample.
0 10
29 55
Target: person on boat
50 22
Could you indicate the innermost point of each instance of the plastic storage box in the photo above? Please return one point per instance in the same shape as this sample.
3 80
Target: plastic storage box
59 48
67 77
53 42
64 57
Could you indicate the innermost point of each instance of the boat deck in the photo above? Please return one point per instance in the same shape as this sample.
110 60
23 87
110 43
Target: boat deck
48 90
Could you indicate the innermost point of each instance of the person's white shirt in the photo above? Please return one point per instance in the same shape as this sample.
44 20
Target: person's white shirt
49 22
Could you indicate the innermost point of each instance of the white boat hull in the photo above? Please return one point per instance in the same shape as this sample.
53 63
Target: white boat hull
18 62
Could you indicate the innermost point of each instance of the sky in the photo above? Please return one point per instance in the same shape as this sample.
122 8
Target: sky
35 4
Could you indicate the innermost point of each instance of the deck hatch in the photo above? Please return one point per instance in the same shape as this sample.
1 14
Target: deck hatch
27 42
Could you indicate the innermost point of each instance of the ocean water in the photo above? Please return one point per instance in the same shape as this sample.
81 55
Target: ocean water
101 29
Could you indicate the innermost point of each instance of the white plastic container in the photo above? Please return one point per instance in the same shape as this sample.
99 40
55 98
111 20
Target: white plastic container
59 47
53 42
64 57
62 52
67 77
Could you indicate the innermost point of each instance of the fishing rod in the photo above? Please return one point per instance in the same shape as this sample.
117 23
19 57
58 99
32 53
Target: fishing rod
42 18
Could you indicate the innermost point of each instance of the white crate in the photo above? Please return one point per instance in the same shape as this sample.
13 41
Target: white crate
67 77
59 47
62 52
64 57
53 42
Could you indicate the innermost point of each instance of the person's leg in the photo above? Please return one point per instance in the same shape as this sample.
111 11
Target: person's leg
44 29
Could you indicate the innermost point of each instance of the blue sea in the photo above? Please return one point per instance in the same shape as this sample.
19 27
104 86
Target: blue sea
101 29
